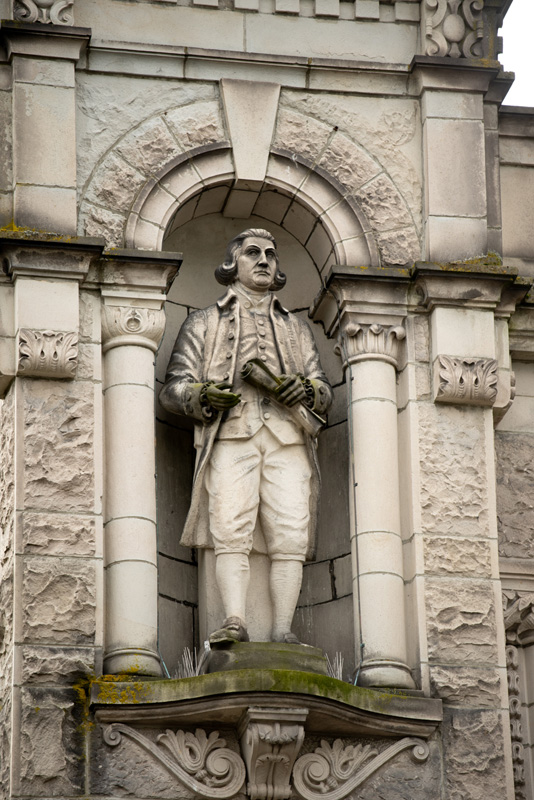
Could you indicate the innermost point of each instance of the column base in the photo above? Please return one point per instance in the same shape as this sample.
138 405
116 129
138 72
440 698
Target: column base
132 661
386 674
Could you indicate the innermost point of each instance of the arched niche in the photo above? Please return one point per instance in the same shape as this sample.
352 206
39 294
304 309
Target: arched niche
200 230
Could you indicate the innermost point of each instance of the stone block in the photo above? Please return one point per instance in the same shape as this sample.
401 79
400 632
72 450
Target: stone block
196 124
338 409
516 150
6 208
348 162
319 247
58 446
402 780
96 221
287 6
524 378
515 506
407 12
44 115
383 205
45 208
342 576
300 133
58 600
330 627
49 665
474 754
517 198
58 534
461 621
462 332
272 205
327 8
457 556
333 538
399 248
177 580
480 687
90 325
89 362
451 105
452 459
175 458
6 142
317 584
178 630
367 9
116 184
51 749
150 147
299 222
455 238
44 72
5 739
42 304
520 418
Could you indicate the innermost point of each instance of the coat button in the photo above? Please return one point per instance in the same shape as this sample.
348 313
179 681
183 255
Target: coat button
262 345
230 335
266 415
263 357
266 400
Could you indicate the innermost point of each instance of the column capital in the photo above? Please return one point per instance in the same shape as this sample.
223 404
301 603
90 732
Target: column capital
374 342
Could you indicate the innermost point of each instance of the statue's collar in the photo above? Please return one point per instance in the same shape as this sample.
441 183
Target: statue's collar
231 297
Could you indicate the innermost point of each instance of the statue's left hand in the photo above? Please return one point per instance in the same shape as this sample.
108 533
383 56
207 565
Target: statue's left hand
291 390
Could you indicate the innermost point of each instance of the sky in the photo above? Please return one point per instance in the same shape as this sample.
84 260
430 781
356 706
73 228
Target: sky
518 55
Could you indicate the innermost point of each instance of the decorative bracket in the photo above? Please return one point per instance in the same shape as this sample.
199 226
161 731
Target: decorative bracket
47 354
57 12
453 28
332 772
202 763
466 381
271 739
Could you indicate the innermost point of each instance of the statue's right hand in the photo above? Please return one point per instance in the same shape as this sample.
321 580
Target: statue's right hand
219 397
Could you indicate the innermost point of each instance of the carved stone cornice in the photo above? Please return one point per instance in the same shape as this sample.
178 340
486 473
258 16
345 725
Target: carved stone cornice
199 761
270 742
453 28
333 771
370 342
47 354
132 325
466 381
57 12
461 285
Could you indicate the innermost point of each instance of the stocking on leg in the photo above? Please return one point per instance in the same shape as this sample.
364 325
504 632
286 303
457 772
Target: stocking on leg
285 582
232 572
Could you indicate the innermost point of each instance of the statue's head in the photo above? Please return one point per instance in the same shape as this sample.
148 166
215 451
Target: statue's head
226 273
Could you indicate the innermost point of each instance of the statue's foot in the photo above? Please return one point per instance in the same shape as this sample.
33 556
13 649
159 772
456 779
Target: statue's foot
287 638
233 630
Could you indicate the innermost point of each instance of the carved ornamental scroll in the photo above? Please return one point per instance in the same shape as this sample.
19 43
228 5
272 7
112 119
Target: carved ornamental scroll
55 12
453 28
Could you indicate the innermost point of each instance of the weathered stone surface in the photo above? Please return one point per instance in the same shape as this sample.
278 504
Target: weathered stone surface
5 740
46 665
58 600
177 580
330 627
452 456
402 779
110 105
515 500
90 323
6 145
58 534
7 520
399 248
300 133
348 162
461 686
115 184
317 583
196 124
51 749
460 556
58 445
333 535
342 576
461 621
421 337
89 362
96 221
383 205
474 755
149 147
174 482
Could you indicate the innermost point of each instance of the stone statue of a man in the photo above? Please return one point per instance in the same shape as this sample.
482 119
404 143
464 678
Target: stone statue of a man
248 373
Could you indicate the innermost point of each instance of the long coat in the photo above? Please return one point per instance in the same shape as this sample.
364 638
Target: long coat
206 349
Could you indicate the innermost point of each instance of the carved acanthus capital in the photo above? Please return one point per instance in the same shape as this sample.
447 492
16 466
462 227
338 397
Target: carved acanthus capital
56 12
47 354
332 772
132 325
466 381
270 742
518 609
200 762
364 342
453 28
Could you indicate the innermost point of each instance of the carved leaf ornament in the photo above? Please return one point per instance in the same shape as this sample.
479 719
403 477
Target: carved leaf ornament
47 354
467 380
55 12
202 763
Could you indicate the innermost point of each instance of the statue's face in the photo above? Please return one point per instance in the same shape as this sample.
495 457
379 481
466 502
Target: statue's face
256 264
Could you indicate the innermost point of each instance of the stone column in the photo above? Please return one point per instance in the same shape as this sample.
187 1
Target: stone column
369 336
133 322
